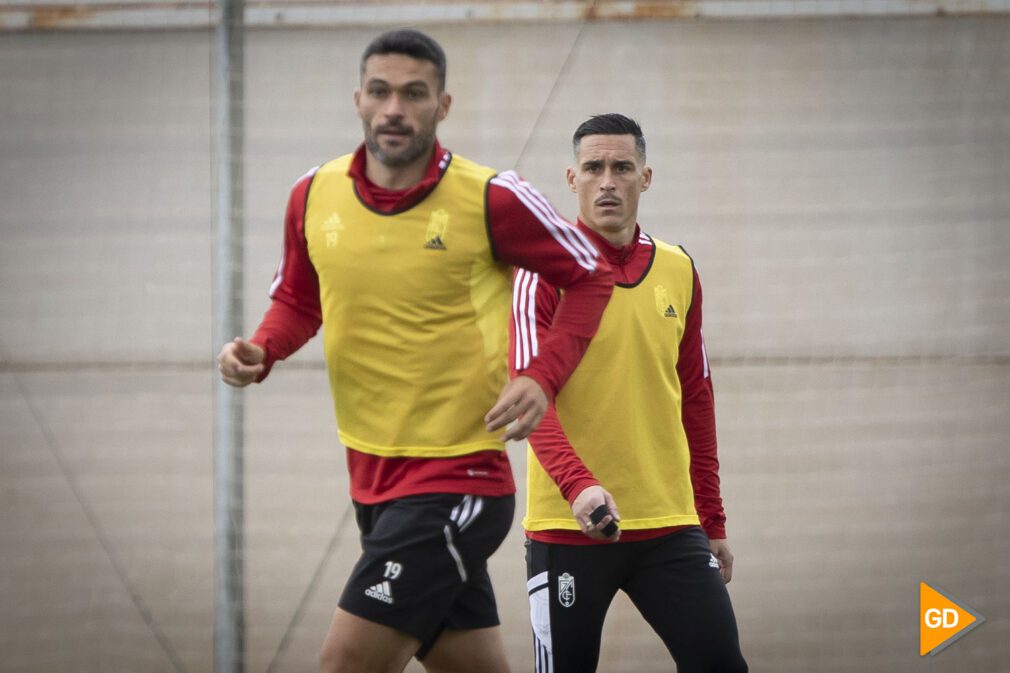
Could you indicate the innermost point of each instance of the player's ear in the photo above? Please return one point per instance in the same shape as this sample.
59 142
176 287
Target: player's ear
646 177
444 101
570 178
357 101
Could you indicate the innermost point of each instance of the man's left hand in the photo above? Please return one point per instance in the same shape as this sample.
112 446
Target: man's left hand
720 549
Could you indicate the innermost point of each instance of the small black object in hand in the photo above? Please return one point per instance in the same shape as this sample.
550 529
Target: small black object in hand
596 516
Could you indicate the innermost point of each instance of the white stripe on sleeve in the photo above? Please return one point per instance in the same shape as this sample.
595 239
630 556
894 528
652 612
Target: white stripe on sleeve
279 276
570 238
704 355
524 317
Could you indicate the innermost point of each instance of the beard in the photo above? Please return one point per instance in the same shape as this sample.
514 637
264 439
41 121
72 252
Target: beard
418 143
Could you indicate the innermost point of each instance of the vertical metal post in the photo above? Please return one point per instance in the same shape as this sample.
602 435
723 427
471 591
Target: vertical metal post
229 598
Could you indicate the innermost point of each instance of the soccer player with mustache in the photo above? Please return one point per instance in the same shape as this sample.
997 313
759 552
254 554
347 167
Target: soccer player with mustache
634 428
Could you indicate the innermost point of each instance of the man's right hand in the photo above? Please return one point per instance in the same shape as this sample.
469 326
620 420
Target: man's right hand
521 400
589 499
240 362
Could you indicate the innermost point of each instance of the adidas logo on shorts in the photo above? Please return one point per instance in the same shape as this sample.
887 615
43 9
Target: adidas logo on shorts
380 591
713 562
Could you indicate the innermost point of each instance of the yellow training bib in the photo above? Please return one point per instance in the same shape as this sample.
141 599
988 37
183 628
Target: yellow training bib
415 312
621 409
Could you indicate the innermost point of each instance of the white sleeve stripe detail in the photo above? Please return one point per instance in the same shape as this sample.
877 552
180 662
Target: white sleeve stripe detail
279 275
531 316
517 318
519 315
524 317
575 237
704 356
570 238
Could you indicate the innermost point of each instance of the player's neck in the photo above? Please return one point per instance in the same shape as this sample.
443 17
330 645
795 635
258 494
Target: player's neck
617 238
397 177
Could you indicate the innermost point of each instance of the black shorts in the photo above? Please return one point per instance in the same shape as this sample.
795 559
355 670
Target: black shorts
673 580
423 566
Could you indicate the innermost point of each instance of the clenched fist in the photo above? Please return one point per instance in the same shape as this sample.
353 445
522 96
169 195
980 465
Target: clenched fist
240 362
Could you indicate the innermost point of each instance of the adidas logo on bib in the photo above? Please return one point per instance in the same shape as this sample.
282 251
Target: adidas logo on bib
380 591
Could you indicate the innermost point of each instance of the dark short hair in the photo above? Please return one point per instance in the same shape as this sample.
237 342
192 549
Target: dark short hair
610 124
408 42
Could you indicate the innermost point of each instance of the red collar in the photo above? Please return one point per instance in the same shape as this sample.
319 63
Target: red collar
396 200
630 262
614 254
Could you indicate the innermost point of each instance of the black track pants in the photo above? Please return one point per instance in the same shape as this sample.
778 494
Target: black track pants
672 582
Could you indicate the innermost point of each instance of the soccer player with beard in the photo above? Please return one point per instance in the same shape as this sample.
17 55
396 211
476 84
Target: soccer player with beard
403 252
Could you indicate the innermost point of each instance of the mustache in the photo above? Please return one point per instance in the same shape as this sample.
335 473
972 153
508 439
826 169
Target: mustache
393 128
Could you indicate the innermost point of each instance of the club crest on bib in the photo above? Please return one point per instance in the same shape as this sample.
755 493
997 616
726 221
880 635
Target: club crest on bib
566 590
331 230
434 237
663 305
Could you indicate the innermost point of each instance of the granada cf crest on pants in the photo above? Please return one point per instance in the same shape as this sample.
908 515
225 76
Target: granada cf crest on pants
566 590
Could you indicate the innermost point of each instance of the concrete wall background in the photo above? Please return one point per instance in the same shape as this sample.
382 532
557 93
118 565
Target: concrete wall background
841 184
